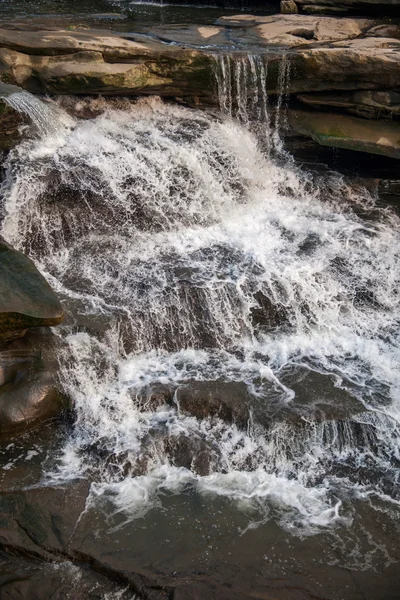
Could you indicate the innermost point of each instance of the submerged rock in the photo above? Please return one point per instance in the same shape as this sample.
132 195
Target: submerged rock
266 314
229 401
342 131
23 577
26 299
193 453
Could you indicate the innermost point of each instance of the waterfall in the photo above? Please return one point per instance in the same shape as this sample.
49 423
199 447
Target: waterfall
242 92
184 255
48 119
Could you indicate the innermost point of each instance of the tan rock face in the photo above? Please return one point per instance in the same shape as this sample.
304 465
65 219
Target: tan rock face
82 63
325 53
297 30
292 32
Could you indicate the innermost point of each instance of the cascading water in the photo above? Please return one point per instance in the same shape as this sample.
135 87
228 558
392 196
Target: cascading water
45 116
242 83
183 254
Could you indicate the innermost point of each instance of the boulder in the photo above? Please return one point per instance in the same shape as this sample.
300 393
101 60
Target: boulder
26 299
352 133
29 390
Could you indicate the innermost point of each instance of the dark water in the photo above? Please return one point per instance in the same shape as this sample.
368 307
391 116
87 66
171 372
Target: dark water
120 15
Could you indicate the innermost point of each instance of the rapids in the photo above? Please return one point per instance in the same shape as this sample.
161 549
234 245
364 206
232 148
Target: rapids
166 232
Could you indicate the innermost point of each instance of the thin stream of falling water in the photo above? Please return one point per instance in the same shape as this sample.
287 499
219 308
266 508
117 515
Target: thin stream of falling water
185 256
46 116
242 92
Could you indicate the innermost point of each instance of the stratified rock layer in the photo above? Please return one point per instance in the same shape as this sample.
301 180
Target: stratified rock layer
179 60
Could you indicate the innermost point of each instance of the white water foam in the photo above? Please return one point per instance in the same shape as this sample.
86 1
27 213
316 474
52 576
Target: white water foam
163 229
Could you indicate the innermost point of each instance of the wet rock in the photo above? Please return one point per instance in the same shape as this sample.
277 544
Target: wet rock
266 314
29 390
26 299
319 398
41 521
10 122
154 396
229 401
328 129
193 453
21 577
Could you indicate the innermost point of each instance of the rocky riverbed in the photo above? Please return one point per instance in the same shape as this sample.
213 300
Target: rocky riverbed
198 379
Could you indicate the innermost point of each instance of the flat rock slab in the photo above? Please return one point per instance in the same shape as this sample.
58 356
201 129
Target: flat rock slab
199 555
26 299
352 133
299 30
325 53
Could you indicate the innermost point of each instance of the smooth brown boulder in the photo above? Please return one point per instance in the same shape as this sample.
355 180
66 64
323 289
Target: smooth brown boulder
30 392
26 299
